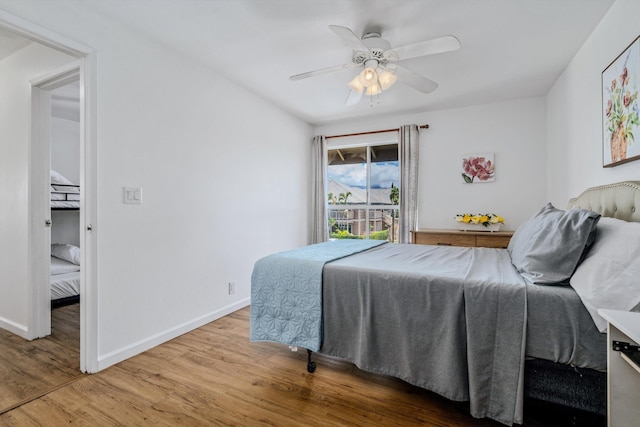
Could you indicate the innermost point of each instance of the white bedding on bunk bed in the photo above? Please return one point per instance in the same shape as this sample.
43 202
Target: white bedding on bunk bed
64 193
65 285
64 204
65 271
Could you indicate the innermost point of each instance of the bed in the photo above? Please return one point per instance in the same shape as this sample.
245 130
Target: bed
65 195
488 326
65 274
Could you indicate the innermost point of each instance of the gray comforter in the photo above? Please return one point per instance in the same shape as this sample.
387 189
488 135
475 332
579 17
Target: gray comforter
451 320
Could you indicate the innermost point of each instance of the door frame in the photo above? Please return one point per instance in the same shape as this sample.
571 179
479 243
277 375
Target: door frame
39 323
87 68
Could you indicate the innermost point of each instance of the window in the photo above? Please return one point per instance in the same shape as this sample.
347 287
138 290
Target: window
363 190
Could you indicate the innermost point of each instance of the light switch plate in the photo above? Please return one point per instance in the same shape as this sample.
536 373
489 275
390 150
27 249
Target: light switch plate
132 195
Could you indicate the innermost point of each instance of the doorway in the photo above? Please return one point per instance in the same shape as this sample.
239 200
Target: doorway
37 238
55 145
42 202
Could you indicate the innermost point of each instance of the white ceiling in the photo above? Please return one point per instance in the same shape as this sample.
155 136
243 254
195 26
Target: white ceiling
11 43
510 48
65 100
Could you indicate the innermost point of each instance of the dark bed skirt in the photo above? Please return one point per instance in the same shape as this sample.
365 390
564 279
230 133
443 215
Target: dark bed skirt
579 388
65 301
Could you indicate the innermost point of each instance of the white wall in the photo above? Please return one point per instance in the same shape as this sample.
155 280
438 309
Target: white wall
224 175
224 178
66 227
65 148
15 107
514 131
574 113
65 159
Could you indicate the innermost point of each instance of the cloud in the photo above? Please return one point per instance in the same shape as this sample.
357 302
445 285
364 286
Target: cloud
353 175
383 174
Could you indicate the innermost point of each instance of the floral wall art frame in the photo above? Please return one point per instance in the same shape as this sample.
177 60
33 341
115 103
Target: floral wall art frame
620 115
478 168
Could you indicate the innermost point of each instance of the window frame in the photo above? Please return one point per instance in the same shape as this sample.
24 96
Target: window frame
368 141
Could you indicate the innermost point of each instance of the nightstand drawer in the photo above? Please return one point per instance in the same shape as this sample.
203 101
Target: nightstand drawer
487 239
445 239
493 241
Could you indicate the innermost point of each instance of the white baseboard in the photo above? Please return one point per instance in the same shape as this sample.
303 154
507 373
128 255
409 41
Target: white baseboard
15 328
114 357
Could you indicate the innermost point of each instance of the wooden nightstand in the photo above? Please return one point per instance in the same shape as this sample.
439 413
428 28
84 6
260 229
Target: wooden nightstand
623 372
486 239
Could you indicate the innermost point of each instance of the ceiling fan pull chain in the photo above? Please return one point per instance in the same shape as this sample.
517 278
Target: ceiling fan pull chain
371 99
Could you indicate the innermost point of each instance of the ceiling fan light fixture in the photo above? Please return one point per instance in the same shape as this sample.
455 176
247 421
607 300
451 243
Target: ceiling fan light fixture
373 90
386 79
356 86
369 77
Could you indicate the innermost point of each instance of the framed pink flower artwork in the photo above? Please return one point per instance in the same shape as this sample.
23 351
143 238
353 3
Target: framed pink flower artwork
620 112
478 168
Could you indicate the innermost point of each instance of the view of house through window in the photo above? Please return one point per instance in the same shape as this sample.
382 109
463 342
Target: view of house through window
363 192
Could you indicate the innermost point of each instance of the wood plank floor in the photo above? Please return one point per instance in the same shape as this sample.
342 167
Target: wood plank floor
33 368
215 376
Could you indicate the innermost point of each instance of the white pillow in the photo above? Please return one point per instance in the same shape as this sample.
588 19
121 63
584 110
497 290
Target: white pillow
61 184
56 178
609 276
66 252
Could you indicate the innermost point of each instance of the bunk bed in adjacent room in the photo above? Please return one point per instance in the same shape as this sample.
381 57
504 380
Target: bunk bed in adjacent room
65 195
65 274
65 255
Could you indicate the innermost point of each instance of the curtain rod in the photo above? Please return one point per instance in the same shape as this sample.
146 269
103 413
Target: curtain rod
371 132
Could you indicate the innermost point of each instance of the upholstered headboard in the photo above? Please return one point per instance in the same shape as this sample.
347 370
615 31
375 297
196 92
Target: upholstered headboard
620 200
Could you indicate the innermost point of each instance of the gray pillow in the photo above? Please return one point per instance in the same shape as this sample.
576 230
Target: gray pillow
548 248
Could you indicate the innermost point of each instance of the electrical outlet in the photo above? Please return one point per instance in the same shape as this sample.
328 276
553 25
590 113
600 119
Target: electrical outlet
232 288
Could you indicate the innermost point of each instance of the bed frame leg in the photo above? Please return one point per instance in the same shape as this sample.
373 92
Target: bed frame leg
311 365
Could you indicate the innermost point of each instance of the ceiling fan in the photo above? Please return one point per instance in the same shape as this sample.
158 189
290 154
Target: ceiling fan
378 60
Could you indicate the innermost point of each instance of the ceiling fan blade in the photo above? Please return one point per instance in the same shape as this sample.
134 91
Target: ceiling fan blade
349 38
416 81
353 98
322 71
428 47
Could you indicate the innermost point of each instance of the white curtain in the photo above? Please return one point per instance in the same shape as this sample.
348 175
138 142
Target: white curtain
320 228
409 144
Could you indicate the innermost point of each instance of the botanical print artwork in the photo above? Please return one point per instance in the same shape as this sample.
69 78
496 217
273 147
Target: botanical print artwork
621 117
478 168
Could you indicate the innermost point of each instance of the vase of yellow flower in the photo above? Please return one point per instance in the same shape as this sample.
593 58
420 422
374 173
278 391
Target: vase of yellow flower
479 222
